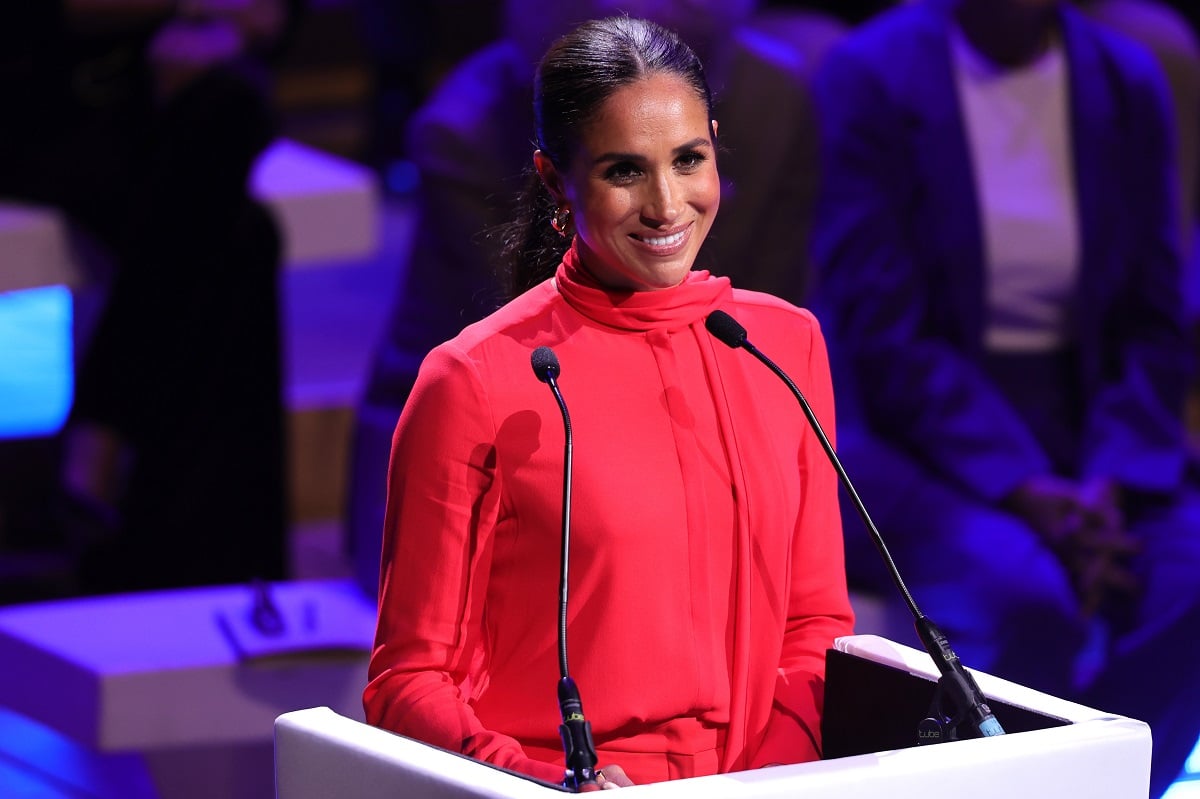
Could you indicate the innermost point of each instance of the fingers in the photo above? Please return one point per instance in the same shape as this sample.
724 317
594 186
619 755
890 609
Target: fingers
1051 506
613 776
1102 500
1100 576
1084 525
1089 585
1109 540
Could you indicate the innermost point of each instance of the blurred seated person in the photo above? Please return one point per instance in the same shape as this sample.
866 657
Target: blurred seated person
706 556
998 273
470 144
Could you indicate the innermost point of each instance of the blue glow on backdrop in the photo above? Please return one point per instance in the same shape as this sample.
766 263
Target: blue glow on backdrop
36 361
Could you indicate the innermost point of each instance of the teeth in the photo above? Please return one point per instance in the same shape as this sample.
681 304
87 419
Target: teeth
664 241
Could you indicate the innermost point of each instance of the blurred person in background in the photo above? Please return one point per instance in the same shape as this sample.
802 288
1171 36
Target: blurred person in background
999 276
140 120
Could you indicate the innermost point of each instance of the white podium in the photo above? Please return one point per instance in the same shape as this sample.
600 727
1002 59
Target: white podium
1053 748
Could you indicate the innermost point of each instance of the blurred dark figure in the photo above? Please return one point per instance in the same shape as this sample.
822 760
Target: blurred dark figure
412 45
999 277
141 121
184 367
852 12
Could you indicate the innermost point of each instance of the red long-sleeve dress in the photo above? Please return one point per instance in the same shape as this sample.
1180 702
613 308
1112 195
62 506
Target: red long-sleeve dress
706 577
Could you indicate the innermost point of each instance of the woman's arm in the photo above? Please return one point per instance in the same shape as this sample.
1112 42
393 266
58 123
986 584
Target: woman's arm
818 603
443 490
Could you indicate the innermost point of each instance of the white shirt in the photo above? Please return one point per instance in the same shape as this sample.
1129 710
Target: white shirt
1017 124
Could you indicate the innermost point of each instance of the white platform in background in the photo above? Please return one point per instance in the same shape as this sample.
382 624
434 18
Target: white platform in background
320 754
181 678
35 248
327 208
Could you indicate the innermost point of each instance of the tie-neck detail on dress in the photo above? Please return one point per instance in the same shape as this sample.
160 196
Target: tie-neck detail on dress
641 311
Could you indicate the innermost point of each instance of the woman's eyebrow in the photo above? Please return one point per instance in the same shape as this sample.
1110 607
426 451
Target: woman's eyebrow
695 144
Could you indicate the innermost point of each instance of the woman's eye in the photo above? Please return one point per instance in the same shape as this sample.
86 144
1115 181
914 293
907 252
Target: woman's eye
621 172
690 161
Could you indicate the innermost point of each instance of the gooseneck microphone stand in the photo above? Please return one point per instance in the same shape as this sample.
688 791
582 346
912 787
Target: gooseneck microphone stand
575 730
955 683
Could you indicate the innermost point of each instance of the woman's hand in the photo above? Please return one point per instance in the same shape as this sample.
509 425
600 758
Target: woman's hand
611 776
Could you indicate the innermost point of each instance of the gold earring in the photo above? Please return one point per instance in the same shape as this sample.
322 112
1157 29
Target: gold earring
561 221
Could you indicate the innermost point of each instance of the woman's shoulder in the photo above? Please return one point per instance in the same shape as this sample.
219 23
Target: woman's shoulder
511 326
774 313
780 330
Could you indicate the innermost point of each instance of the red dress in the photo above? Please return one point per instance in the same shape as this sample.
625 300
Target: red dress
707 577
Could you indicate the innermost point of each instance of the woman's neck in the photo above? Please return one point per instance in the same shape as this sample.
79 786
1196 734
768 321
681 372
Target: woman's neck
1011 33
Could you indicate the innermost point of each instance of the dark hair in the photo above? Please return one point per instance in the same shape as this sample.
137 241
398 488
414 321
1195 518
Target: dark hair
576 76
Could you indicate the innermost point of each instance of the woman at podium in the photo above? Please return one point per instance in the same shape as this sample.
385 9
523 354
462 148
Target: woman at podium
706 566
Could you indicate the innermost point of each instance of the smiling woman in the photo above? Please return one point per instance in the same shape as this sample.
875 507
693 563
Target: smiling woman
627 150
709 583
645 181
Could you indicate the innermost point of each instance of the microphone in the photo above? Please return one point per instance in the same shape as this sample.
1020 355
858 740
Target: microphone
575 730
955 681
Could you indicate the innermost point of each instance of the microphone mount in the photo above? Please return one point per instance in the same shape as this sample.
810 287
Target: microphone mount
955 683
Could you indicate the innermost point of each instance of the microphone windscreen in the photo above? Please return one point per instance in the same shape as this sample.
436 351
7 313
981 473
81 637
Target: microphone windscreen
726 328
545 363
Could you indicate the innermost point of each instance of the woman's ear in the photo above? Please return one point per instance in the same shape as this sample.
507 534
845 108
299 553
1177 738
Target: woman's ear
550 176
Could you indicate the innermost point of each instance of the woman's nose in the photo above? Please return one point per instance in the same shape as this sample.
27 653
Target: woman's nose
661 206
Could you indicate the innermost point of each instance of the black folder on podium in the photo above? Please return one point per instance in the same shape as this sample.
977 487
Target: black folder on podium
875 704
877 692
